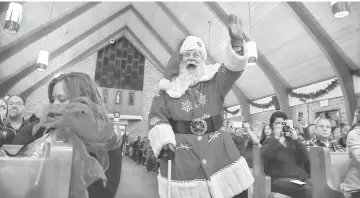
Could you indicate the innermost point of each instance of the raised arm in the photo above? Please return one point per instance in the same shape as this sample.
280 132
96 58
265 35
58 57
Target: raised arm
161 132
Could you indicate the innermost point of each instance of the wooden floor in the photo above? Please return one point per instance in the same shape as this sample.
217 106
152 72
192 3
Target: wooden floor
136 182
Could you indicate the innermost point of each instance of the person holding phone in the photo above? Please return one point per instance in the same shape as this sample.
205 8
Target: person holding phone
286 160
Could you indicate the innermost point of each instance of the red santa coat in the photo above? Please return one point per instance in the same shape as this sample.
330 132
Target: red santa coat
208 165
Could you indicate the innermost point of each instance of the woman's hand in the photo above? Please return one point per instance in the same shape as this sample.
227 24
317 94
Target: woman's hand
292 134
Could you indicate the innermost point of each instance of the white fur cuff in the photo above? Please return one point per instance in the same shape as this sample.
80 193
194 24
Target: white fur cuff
161 135
233 61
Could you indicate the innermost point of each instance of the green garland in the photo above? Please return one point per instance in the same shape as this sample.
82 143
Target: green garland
317 94
262 106
301 96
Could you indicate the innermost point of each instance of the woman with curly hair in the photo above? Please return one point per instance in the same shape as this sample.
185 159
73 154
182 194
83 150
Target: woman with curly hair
76 115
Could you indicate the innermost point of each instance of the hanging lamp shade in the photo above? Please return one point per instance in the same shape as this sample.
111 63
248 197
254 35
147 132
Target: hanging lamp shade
252 53
13 18
340 9
43 60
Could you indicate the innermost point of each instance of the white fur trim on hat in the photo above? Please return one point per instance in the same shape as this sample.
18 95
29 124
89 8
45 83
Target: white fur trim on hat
193 43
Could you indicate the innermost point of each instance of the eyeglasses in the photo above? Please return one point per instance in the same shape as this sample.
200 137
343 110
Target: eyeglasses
187 55
16 103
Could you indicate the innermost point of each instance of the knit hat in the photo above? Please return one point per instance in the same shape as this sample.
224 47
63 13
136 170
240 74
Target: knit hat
172 68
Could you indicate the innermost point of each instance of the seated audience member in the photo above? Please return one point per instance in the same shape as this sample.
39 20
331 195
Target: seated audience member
99 138
286 160
244 139
308 132
323 136
336 133
16 111
345 128
266 133
351 183
3 111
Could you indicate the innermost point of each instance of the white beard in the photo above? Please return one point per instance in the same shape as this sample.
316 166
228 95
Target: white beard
187 78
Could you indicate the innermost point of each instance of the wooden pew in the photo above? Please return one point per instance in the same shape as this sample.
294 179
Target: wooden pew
18 175
262 185
328 171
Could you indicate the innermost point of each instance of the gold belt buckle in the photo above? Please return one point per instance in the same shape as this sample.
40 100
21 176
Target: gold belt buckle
198 126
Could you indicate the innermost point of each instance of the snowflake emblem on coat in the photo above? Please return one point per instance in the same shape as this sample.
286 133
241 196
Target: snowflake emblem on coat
205 116
202 100
186 106
154 120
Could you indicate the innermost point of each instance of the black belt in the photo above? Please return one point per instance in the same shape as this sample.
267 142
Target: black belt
197 126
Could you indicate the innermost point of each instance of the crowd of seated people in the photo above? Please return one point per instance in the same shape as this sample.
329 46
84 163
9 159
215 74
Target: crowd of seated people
285 151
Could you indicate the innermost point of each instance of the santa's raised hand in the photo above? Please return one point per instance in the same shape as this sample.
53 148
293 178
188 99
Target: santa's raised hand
236 33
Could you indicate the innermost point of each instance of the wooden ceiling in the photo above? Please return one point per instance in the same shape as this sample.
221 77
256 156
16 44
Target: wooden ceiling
298 43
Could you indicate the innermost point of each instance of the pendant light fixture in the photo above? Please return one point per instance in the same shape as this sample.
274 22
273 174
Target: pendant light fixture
43 57
251 45
340 9
13 18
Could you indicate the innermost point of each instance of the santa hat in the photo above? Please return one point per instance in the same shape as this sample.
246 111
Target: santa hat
172 68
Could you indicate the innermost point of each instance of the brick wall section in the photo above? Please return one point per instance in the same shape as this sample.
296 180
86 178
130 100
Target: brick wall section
39 98
120 65
151 80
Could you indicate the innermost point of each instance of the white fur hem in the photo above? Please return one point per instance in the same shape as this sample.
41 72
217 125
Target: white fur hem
231 180
233 61
226 183
161 135
184 189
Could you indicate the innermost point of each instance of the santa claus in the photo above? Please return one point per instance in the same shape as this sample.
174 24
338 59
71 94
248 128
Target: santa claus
186 118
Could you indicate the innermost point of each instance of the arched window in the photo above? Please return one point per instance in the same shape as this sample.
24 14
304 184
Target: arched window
131 98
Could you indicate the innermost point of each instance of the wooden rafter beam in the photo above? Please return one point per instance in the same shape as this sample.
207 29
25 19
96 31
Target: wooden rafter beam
12 48
332 52
280 85
241 97
29 68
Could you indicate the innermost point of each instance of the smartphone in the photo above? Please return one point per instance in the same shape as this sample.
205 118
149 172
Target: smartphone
290 123
300 115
